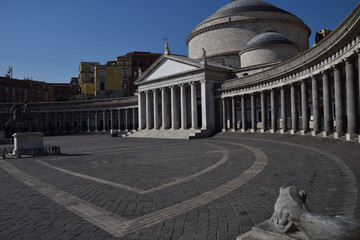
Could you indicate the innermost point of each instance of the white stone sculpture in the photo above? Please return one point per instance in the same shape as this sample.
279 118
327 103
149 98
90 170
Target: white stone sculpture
292 214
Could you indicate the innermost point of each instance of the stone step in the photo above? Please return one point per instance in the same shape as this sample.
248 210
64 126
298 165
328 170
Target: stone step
170 134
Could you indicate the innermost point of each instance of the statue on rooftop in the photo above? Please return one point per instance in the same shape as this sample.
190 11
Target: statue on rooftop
167 49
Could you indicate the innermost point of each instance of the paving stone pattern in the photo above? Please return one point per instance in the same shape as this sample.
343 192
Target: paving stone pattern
189 195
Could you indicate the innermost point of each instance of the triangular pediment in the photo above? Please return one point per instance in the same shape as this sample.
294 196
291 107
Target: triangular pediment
169 66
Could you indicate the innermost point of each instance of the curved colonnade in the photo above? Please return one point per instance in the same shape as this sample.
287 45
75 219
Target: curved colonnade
82 116
317 91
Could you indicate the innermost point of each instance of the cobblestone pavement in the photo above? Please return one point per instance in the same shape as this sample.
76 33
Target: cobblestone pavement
127 188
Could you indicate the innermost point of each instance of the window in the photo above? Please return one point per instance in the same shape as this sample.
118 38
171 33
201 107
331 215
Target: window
102 73
91 68
150 62
135 63
125 86
141 63
124 73
102 85
135 74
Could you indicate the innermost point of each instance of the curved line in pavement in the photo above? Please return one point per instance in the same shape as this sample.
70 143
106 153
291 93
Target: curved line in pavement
138 190
118 226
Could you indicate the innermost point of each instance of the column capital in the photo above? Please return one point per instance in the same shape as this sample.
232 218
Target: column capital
357 51
313 77
203 81
172 87
192 83
350 59
181 85
326 71
154 90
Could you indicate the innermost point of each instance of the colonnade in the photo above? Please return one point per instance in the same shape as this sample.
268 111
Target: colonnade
178 107
327 102
60 121
88 120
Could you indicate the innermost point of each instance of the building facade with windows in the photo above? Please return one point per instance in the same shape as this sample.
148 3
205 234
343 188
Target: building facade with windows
86 79
270 81
112 79
15 90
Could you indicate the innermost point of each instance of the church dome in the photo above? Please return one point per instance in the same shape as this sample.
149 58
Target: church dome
239 6
267 48
268 38
227 32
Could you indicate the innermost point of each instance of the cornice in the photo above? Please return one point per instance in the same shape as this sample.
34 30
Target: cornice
243 21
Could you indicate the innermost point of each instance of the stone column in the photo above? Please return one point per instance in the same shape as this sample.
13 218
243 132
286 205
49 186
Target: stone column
47 122
148 110
351 98
88 122
339 106
243 113
283 110
204 102
294 119
183 107
119 120
111 119
165 109
328 119
80 122
194 117
316 105
156 109
126 120
233 113
253 112
263 111
55 122
174 109
104 120
63 124
134 122
273 112
141 112
304 108
72 121
96 121
223 114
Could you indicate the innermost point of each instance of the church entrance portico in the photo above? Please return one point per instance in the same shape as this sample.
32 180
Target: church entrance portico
174 94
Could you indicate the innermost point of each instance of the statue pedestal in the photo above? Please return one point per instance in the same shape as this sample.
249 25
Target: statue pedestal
2 137
267 231
29 140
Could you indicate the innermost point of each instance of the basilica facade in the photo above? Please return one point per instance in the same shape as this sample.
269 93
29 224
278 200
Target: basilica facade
249 68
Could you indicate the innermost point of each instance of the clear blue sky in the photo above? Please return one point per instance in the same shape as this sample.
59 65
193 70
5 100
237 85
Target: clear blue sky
47 39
